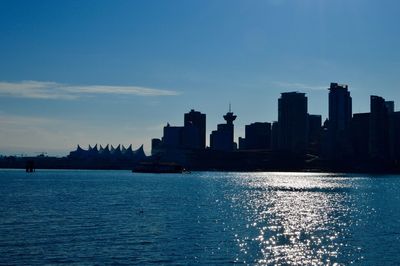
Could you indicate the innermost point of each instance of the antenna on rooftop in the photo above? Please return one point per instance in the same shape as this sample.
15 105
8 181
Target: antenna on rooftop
230 107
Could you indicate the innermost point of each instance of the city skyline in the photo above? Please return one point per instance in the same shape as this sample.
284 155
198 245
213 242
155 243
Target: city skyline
237 138
101 72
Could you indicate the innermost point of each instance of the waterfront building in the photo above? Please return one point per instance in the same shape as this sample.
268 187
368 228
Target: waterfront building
274 135
194 133
116 151
156 146
314 133
172 137
360 128
222 139
105 153
128 152
293 122
389 106
257 136
340 114
379 128
242 143
92 151
190 136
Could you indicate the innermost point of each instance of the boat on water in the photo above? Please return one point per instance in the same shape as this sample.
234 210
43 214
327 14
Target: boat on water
158 168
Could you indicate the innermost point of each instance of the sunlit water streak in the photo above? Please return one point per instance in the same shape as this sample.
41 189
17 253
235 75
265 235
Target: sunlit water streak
116 217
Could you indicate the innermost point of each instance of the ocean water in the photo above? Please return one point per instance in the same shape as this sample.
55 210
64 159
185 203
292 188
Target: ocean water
118 217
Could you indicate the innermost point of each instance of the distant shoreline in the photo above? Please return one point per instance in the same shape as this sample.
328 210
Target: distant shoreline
313 171
260 161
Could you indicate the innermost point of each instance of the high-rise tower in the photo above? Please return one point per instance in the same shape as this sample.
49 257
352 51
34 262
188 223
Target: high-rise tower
379 128
194 134
222 138
340 107
340 113
293 122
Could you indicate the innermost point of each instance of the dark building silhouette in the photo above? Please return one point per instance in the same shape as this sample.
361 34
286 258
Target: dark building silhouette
340 114
293 122
379 128
257 137
105 158
104 152
116 151
242 143
389 106
360 127
275 135
172 137
156 146
93 151
222 139
194 134
363 142
314 133
191 136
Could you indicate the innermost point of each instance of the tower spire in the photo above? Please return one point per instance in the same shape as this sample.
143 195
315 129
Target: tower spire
229 117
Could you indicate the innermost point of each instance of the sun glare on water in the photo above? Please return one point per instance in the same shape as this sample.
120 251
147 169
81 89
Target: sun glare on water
297 219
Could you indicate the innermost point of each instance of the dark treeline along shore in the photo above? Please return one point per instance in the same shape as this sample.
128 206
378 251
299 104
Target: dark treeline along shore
297 141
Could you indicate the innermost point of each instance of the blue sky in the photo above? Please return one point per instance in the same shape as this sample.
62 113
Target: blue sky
116 71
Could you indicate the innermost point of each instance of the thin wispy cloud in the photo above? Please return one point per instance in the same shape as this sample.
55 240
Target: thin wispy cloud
55 90
299 86
12 120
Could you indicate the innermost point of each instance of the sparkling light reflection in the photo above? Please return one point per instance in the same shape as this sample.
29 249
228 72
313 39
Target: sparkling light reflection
297 218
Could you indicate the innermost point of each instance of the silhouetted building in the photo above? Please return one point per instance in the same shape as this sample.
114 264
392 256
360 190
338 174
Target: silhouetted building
156 146
275 135
194 133
293 122
379 129
340 114
116 152
129 152
314 133
92 151
191 136
242 143
172 137
389 106
360 124
103 154
257 137
222 139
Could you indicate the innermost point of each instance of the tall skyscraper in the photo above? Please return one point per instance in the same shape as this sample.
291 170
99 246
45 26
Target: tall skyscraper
379 128
293 122
340 114
340 107
194 134
360 127
222 138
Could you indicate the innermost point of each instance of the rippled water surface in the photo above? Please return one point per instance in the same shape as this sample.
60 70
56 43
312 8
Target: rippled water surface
116 217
